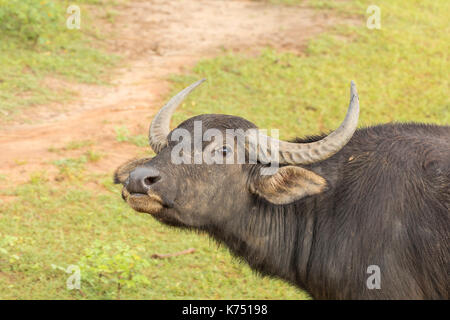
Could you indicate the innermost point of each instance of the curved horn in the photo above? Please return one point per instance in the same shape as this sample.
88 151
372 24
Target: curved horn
160 126
306 153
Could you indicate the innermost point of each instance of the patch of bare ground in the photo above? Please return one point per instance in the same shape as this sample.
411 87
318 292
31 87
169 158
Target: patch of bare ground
156 38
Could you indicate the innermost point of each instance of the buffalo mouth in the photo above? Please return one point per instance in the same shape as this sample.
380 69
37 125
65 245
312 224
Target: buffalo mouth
149 203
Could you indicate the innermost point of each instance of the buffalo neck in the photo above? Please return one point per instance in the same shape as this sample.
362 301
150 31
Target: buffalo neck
275 240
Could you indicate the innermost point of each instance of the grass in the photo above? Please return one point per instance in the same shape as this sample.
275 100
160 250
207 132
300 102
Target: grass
400 71
80 219
73 145
40 56
59 225
124 135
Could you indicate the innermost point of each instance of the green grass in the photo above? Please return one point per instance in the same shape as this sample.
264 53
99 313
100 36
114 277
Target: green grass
58 225
40 56
401 74
73 145
124 135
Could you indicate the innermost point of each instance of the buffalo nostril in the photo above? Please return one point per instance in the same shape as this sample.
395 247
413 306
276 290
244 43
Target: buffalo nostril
141 179
148 181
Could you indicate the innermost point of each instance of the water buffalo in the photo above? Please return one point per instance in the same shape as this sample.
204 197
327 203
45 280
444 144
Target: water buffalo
356 214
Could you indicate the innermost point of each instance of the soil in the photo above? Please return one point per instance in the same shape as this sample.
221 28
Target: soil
156 38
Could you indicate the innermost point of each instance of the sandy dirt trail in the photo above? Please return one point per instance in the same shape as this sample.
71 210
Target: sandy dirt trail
156 38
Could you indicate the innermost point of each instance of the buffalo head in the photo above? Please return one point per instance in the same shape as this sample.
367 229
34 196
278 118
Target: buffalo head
201 174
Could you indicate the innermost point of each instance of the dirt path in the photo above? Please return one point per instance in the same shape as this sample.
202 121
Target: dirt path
157 38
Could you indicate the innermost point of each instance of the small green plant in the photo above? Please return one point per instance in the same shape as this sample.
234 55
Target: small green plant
7 248
140 140
38 177
20 162
110 15
30 20
123 135
70 167
74 145
93 156
112 268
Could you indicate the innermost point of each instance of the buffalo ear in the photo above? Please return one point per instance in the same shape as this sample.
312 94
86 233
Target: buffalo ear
288 184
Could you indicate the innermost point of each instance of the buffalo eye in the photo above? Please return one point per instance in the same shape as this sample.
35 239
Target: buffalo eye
224 151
